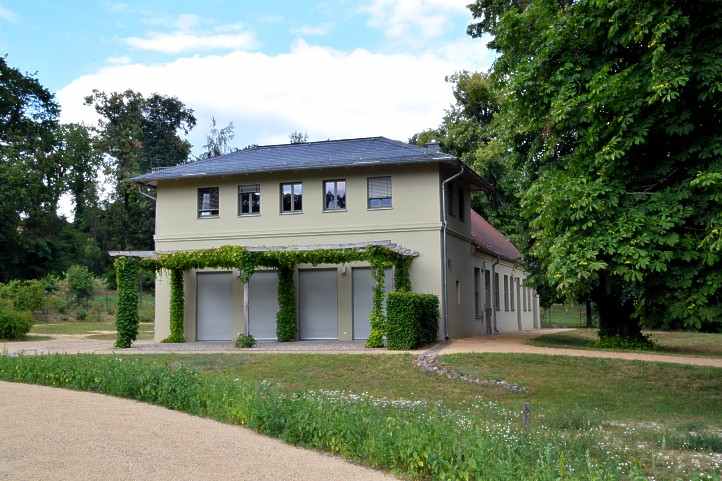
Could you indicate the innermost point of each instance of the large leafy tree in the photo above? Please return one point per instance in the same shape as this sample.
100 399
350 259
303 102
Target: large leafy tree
138 134
613 113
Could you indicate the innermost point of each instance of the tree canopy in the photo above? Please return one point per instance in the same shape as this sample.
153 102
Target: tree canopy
612 115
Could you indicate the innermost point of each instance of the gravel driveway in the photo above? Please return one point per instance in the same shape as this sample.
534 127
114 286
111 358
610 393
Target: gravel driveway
53 434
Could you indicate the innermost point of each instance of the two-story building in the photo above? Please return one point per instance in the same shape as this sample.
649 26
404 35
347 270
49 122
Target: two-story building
338 193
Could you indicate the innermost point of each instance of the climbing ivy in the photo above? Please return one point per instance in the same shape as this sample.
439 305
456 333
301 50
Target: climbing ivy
176 307
377 319
286 316
126 321
285 262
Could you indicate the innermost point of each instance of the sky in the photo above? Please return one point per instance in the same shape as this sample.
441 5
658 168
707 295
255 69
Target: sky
332 69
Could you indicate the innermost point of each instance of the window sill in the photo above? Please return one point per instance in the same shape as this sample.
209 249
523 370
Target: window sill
295 212
250 215
379 208
331 211
209 217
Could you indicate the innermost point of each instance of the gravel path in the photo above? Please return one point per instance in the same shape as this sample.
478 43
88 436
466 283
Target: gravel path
516 343
53 434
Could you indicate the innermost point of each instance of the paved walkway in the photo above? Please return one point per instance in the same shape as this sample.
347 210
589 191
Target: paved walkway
517 343
53 434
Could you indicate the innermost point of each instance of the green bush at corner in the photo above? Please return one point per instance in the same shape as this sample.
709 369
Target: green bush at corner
412 319
14 324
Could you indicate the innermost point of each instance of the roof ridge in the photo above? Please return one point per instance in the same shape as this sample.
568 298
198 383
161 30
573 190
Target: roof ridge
378 137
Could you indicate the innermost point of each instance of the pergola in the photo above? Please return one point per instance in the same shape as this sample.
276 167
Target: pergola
283 259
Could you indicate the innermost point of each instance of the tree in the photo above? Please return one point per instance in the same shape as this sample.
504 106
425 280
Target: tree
613 113
138 134
218 141
297 137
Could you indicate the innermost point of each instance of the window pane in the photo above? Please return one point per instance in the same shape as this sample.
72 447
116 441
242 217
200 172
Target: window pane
245 204
297 197
286 195
208 201
256 203
379 192
341 194
329 201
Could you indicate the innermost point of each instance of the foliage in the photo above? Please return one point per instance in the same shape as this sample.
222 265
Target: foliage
24 295
402 276
417 440
286 326
611 112
218 141
377 317
297 137
641 343
412 319
14 324
126 320
80 282
176 308
245 341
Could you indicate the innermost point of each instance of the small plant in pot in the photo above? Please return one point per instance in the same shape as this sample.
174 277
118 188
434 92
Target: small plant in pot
245 341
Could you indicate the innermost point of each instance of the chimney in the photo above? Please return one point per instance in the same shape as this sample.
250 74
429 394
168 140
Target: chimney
432 147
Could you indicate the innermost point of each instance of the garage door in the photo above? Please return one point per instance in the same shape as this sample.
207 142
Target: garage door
215 313
318 304
263 305
363 293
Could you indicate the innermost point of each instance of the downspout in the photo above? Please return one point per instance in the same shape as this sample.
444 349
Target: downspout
495 292
444 255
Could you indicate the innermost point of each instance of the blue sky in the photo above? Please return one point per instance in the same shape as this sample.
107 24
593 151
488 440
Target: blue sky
332 69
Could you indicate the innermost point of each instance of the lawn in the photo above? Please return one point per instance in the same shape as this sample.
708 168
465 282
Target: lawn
664 418
668 342
564 315
93 330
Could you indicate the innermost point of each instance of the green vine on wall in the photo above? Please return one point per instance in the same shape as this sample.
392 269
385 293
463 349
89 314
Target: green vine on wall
286 315
285 262
126 321
176 307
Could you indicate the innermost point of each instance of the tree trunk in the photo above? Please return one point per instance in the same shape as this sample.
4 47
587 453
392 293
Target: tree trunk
615 310
589 313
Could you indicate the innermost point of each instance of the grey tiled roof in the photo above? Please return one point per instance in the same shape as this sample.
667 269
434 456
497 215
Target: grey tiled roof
311 155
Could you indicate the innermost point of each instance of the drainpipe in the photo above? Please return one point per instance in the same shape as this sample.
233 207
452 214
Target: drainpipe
444 255
494 290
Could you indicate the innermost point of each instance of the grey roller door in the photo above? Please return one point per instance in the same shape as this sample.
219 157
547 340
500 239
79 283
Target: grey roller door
215 313
363 293
318 304
263 305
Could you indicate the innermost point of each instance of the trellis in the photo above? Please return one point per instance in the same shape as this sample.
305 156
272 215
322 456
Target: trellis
284 260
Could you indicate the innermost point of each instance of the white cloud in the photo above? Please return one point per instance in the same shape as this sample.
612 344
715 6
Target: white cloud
406 18
7 14
178 42
120 60
325 92
312 30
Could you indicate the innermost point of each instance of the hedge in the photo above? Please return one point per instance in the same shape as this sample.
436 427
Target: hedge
126 320
176 307
14 324
412 319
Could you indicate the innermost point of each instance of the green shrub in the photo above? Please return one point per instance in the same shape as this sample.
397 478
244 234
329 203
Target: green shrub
245 341
377 316
412 319
126 320
641 343
14 324
82 314
80 282
25 295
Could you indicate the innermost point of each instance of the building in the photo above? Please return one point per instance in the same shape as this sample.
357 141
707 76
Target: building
335 194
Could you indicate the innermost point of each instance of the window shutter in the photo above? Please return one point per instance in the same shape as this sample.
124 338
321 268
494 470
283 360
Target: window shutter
249 189
379 187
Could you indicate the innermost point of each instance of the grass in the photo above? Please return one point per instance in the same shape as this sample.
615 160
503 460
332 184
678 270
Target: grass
28 338
668 342
591 418
564 315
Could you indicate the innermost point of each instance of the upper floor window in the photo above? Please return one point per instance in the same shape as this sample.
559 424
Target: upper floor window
249 199
208 202
379 192
334 195
292 197
461 204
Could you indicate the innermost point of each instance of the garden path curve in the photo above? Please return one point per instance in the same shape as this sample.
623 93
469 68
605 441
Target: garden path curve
54 434
517 344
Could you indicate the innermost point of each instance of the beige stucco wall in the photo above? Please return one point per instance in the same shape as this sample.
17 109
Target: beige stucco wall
409 223
414 222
